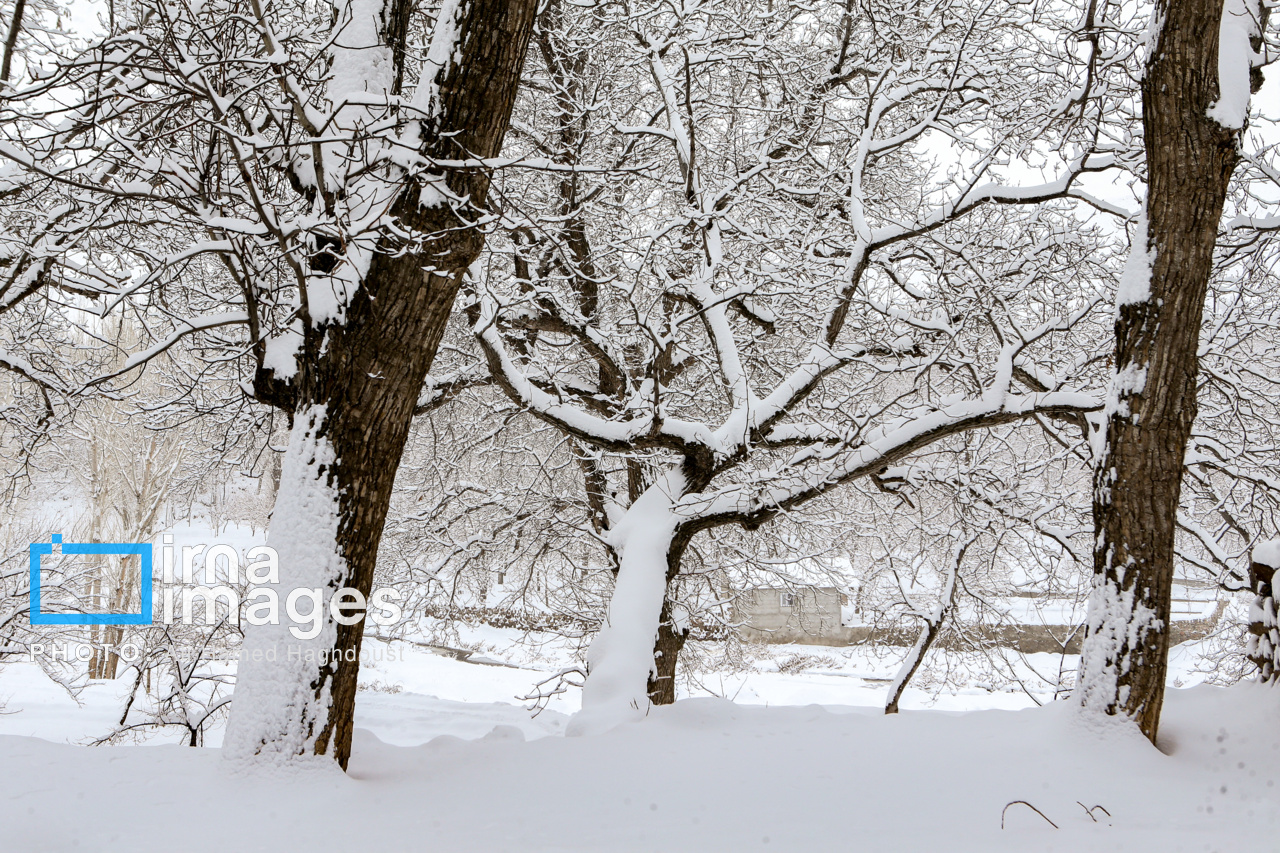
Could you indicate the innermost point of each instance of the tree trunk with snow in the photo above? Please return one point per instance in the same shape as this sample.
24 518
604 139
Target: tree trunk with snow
671 636
1264 628
621 661
353 397
1193 112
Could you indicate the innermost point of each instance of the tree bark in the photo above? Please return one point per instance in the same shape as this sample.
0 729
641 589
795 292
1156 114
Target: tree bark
397 319
1138 475
666 654
367 371
11 41
671 638
104 661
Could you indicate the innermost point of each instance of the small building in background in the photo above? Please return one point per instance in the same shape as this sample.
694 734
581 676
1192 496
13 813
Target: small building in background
1029 622
812 615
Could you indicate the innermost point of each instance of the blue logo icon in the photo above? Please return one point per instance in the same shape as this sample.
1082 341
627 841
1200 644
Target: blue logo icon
123 549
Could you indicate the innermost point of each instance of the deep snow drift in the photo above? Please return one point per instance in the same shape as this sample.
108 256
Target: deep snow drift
702 775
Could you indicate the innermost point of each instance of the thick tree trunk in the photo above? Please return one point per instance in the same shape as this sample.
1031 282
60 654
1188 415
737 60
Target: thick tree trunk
1138 478
670 640
632 663
354 399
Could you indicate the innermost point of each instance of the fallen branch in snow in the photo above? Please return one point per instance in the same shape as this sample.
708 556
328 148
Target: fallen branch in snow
539 696
1028 805
460 655
1090 811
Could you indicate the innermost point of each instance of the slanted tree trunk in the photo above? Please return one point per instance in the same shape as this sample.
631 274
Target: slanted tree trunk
11 40
928 633
353 399
1138 475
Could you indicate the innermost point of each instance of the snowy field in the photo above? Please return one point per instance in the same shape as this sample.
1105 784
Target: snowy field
922 325
446 758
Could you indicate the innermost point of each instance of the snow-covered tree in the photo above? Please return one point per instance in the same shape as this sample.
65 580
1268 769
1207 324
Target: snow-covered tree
1196 86
778 295
301 184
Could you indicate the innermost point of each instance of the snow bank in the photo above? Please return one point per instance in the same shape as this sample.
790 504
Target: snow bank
701 775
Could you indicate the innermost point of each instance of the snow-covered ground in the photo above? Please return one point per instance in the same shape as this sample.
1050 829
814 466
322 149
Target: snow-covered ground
702 775
447 758
410 695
